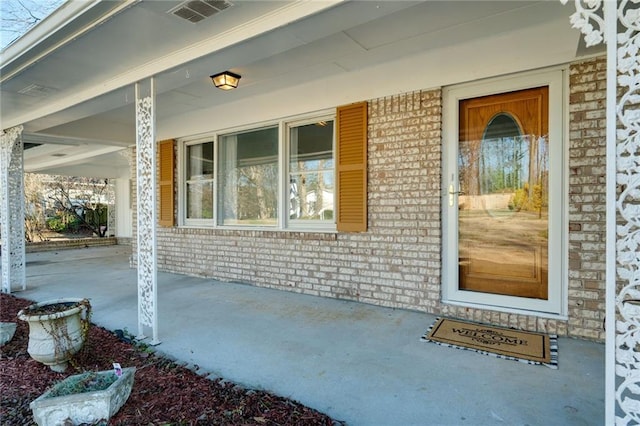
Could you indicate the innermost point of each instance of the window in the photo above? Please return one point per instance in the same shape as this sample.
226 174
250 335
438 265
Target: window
248 178
199 177
311 172
285 175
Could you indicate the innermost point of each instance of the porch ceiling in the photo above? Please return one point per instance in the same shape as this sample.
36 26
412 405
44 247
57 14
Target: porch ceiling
74 91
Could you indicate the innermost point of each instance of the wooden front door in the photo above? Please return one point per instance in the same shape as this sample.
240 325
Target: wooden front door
503 170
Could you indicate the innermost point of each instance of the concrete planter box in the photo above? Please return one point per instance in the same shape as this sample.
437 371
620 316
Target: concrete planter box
55 337
7 329
87 407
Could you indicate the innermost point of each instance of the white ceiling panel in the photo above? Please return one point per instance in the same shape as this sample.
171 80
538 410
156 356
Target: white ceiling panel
428 17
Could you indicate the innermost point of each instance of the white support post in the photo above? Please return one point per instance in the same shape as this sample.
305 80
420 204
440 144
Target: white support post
112 209
610 17
621 30
624 276
12 210
146 205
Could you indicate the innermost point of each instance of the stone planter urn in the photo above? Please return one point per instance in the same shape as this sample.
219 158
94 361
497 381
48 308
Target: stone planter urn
7 330
57 330
78 399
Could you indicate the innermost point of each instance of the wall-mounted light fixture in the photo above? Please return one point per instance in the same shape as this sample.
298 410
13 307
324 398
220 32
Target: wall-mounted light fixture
225 80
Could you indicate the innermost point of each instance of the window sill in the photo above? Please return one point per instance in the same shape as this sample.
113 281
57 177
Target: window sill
244 231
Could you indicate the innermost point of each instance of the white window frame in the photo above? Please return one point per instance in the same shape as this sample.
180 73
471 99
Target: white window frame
283 221
182 182
278 130
305 224
557 304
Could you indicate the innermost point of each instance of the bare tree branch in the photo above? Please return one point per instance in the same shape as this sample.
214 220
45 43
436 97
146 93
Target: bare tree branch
19 16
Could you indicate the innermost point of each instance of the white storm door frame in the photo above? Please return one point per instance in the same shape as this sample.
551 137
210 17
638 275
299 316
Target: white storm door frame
556 305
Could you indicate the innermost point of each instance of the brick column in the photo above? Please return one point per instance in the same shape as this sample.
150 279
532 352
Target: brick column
587 198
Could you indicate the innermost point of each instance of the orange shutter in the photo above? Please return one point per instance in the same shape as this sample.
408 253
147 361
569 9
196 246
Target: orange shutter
351 170
165 182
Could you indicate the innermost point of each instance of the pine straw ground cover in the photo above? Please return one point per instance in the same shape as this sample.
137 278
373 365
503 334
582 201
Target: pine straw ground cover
163 393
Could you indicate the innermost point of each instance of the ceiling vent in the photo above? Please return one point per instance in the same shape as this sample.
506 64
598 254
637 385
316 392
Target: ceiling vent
198 10
37 91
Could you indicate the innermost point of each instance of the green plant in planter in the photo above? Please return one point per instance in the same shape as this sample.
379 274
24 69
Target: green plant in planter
85 398
86 382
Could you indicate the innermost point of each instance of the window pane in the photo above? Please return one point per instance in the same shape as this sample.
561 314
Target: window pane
311 177
200 161
248 178
200 200
200 181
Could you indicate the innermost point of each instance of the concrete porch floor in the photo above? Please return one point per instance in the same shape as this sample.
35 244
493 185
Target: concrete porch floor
358 363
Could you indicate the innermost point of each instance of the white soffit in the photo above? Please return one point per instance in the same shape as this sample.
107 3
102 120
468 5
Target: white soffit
58 29
353 36
430 18
330 85
287 41
247 22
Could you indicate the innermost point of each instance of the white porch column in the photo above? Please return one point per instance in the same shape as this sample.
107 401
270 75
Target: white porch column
623 142
146 204
620 28
112 209
12 210
612 72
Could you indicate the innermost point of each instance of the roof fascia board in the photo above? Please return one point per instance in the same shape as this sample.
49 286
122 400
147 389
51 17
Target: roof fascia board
289 13
54 23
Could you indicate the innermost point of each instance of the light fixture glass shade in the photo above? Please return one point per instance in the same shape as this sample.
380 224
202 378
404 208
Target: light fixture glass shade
225 80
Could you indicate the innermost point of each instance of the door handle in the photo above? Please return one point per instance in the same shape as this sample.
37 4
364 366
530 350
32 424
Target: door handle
452 193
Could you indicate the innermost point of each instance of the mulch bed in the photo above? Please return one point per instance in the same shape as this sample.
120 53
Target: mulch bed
163 392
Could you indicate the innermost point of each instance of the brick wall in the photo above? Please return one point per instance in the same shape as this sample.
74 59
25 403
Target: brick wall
587 197
397 262
72 243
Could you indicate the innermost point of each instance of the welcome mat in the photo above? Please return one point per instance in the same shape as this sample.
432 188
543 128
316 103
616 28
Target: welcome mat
507 343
